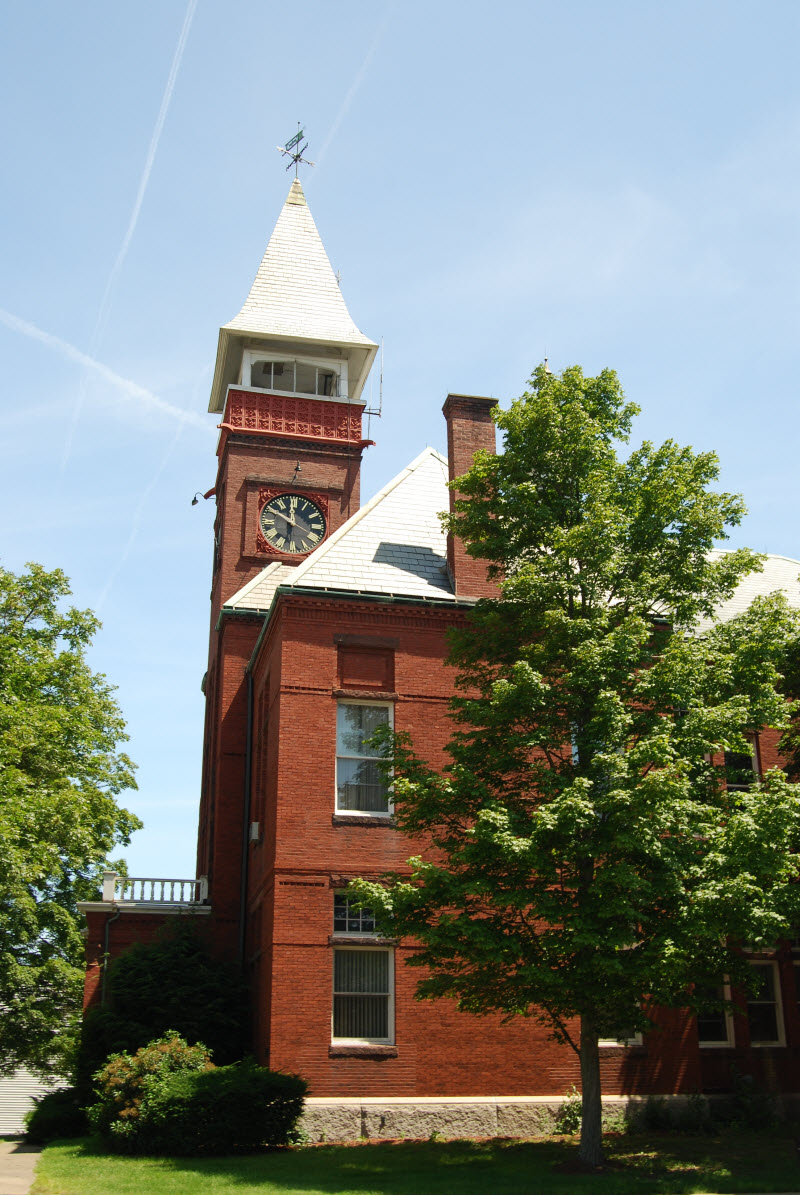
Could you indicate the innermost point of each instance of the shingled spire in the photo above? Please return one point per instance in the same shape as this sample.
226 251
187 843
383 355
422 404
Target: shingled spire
294 304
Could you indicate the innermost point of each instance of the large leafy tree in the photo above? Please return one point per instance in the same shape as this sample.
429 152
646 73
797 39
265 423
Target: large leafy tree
60 772
586 860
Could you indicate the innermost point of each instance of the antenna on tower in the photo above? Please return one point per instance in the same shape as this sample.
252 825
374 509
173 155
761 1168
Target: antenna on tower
294 150
372 411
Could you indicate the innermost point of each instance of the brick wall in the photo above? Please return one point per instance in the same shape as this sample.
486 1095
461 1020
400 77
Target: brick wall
306 853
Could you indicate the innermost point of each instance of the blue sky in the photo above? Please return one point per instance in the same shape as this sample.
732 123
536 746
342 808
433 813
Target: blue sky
612 184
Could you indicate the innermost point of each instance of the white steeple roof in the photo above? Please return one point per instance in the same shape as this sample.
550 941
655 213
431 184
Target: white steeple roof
294 303
295 293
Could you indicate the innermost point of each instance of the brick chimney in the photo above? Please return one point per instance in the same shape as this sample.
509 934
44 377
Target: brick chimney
469 428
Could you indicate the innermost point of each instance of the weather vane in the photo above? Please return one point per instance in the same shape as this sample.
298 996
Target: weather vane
294 150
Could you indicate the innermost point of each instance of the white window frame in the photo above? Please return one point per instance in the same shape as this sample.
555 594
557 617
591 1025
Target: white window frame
730 1039
776 984
365 1041
266 354
389 705
348 933
621 1043
756 767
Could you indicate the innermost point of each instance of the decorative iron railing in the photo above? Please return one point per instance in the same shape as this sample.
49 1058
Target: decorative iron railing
143 890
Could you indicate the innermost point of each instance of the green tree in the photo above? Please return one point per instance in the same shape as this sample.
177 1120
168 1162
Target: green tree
60 772
588 863
171 984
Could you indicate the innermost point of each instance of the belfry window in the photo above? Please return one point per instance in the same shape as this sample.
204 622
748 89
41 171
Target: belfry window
325 379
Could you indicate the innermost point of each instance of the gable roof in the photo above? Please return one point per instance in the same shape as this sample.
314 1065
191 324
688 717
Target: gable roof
780 573
393 546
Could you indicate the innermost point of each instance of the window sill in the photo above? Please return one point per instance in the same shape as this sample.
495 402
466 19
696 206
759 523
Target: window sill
368 694
344 939
364 1051
362 819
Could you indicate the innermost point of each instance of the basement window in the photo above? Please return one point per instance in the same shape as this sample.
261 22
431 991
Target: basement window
363 995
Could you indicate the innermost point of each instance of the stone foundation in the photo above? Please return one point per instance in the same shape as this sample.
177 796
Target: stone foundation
458 1116
419 1118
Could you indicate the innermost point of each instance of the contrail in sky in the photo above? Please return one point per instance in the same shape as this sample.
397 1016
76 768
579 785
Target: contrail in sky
105 304
137 519
130 389
103 311
144 497
354 86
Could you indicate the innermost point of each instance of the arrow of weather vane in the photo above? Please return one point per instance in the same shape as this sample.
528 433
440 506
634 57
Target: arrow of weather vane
294 150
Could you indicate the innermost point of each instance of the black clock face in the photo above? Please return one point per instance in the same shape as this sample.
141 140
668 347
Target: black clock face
291 523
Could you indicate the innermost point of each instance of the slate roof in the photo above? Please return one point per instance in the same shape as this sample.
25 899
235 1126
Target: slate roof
780 573
295 293
392 546
395 546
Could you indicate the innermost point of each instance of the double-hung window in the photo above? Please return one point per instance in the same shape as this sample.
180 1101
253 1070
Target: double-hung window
363 979
360 785
715 1025
764 1011
741 769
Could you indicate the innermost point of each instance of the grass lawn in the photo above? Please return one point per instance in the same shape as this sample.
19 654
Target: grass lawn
637 1163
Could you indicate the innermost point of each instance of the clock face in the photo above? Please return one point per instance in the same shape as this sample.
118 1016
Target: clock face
291 523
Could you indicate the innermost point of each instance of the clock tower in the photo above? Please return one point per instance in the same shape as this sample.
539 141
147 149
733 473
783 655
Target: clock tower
288 385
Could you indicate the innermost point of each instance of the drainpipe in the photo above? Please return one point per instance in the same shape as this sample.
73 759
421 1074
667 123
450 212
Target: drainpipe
248 755
113 917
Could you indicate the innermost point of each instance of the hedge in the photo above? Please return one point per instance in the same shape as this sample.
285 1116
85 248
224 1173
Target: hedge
229 1109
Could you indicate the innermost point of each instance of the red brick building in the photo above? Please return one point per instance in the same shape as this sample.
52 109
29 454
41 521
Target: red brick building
328 618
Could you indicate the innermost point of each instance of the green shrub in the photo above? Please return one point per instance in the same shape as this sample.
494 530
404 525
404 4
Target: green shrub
692 1115
229 1109
749 1106
57 1114
170 984
122 1083
616 1121
568 1116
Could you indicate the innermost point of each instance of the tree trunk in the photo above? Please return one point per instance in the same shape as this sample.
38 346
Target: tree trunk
591 1147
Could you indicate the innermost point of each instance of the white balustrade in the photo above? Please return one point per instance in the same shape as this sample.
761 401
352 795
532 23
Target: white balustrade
144 890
